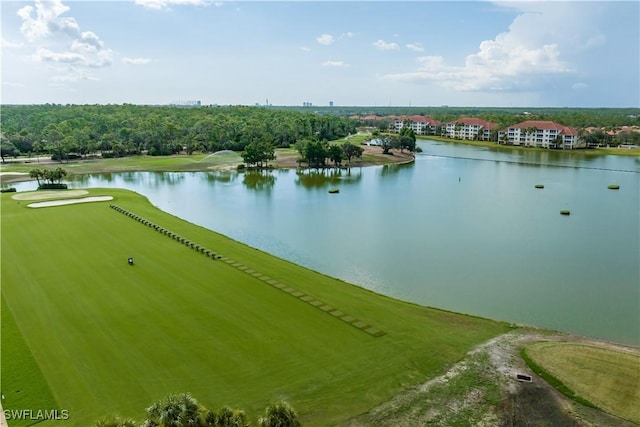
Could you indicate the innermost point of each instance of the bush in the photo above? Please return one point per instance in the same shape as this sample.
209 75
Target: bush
49 186
8 190
67 156
240 167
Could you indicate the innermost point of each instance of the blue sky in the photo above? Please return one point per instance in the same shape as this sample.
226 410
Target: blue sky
421 53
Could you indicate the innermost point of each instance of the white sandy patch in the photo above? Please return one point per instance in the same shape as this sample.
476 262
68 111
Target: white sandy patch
45 195
70 201
13 173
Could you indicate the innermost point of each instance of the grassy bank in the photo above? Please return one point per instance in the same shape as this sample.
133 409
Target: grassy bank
579 152
109 338
594 376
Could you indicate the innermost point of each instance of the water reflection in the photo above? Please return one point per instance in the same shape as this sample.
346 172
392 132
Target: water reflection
225 177
320 178
388 170
261 180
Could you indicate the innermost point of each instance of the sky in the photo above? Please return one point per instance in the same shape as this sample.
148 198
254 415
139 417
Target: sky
365 53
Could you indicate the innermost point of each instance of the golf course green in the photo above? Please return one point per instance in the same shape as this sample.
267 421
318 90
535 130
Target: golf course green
87 333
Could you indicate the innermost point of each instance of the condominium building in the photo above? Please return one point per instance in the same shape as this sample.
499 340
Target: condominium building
469 128
542 134
421 125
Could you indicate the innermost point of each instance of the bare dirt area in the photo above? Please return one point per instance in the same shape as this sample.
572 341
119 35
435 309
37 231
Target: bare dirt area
483 390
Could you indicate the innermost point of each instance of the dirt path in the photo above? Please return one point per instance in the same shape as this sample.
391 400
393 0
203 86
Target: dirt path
482 390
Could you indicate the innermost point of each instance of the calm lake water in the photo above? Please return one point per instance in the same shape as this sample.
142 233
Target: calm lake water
462 229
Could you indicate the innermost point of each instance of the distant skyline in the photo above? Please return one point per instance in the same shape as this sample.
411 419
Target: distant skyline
375 53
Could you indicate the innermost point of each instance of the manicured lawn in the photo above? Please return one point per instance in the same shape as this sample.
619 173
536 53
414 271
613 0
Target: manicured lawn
110 338
607 378
175 163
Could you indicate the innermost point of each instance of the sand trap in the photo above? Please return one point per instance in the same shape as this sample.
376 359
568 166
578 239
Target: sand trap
69 201
13 173
44 195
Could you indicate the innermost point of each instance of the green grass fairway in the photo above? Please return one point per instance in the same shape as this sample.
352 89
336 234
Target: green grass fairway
607 378
109 338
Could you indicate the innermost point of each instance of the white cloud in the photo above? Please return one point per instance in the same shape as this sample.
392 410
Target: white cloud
73 75
382 45
579 86
416 47
12 84
44 20
305 49
98 60
136 61
537 45
165 4
335 64
325 39
8 44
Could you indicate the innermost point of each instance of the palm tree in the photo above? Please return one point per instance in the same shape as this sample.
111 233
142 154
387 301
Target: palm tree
113 421
37 174
226 417
279 414
180 410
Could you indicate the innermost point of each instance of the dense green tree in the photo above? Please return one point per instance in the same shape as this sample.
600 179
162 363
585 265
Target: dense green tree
407 139
8 149
258 153
335 154
351 151
312 152
387 142
61 130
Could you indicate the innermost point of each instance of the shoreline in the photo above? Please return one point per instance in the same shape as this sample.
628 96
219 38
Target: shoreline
497 360
285 159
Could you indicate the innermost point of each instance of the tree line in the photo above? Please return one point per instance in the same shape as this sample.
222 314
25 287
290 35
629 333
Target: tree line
183 410
71 131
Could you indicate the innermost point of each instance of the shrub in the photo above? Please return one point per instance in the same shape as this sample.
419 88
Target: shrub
8 190
49 186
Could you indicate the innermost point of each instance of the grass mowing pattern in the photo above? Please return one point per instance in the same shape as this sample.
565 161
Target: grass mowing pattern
109 338
593 376
23 386
371 330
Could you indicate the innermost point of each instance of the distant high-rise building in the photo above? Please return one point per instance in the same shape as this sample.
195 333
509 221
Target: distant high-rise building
330 103
188 103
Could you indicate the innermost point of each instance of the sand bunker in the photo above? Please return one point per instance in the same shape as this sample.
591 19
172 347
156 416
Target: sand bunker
45 195
70 201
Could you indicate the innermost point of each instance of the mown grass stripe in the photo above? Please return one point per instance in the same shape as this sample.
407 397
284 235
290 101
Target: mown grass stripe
294 292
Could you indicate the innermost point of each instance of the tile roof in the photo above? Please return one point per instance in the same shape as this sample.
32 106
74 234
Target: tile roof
545 125
474 121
